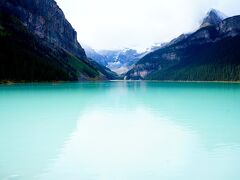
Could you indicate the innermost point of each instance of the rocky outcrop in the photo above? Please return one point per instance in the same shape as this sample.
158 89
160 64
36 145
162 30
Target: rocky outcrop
213 18
140 71
230 26
46 20
37 43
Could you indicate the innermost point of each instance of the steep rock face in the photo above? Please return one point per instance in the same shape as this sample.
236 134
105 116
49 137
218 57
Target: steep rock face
230 26
178 39
37 43
203 49
46 20
24 57
213 18
91 53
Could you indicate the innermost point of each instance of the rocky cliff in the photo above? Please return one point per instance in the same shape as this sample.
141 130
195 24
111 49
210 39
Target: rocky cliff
213 18
46 20
37 43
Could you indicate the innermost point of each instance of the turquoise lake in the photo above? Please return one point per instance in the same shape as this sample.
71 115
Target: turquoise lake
120 131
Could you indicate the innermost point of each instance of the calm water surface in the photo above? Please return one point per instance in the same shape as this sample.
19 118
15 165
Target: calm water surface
120 131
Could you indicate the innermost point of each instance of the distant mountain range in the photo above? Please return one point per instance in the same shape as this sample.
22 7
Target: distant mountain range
212 53
119 61
37 43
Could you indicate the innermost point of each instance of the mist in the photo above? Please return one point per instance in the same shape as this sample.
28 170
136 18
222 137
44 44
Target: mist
114 24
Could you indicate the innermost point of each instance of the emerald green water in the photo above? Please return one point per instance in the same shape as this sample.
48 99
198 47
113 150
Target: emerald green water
120 131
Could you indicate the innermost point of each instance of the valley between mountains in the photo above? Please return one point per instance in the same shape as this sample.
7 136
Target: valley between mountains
37 43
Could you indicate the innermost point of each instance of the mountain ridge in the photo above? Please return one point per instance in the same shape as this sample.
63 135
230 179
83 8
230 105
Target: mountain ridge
119 61
45 19
39 36
176 61
213 17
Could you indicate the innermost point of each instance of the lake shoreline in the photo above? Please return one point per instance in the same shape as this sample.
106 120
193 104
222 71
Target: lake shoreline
171 81
7 82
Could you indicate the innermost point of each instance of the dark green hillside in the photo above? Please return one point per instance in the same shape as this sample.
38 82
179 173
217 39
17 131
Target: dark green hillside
24 57
219 61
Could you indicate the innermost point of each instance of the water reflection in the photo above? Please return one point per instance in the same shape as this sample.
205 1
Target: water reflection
127 145
35 121
120 130
140 145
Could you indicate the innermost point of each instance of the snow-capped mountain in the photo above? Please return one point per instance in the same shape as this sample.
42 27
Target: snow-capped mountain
91 53
119 61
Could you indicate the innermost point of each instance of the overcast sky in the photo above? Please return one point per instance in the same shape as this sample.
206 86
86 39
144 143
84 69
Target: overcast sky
115 24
